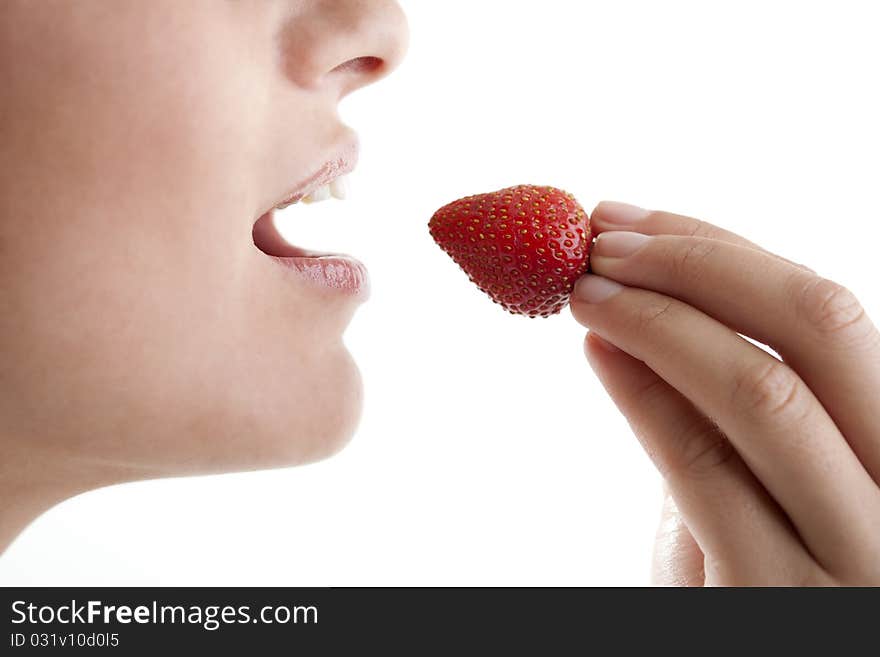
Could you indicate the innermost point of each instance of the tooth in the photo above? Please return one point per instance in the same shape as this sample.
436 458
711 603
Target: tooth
339 187
320 194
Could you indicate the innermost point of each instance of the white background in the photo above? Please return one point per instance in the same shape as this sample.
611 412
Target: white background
488 453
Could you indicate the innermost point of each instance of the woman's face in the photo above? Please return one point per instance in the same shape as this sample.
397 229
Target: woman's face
140 326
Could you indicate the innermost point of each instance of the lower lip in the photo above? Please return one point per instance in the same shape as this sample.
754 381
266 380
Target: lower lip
338 273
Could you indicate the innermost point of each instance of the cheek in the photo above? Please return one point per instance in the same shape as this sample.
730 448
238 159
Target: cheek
145 327
135 110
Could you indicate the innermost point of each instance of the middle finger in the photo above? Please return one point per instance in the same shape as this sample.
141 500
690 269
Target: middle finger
768 413
815 325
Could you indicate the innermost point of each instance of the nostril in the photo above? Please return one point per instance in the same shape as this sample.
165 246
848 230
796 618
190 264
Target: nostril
361 65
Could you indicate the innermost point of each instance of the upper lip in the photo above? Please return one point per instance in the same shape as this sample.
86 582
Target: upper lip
342 161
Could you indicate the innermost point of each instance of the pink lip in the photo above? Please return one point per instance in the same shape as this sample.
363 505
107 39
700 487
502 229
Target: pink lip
340 273
344 162
334 272
329 270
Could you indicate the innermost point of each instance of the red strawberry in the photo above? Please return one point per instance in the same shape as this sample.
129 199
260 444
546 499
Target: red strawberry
524 246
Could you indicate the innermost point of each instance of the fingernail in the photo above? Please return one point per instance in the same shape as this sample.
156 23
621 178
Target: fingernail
621 213
603 343
618 244
595 289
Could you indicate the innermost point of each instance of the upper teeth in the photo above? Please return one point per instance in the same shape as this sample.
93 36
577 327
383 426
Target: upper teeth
337 188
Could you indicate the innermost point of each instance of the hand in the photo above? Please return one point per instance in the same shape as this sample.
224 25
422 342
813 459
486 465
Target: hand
773 464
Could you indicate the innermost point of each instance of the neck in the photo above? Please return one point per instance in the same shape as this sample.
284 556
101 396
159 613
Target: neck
21 505
33 480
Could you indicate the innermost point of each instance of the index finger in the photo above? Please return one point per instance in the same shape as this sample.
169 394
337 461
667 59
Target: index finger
611 215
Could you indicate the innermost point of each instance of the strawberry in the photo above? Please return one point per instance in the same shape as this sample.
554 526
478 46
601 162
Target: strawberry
524 246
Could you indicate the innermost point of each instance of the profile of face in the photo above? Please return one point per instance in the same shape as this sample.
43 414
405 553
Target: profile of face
143 333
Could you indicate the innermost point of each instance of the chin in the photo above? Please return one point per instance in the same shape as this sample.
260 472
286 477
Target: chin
318 423
341 418
266 419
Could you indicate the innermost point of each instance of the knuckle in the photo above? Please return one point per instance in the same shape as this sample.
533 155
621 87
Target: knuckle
799 265
830 309
771 389
700 228
702 450
652 313
687 261
649 392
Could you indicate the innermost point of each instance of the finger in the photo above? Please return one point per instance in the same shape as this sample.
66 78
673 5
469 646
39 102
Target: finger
677 559
818 327
611 216
728 512
774 421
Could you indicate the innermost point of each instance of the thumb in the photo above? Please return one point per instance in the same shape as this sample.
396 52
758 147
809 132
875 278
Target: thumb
678 560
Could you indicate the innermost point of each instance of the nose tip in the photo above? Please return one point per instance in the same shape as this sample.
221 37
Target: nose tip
349 43
397 40
382 36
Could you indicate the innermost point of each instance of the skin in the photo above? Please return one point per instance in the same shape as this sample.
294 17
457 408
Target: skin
142 333
771 464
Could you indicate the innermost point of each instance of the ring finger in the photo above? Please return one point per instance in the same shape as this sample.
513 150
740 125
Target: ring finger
775 423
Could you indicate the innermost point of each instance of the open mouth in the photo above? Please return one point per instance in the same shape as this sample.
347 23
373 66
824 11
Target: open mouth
266 236
328 270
